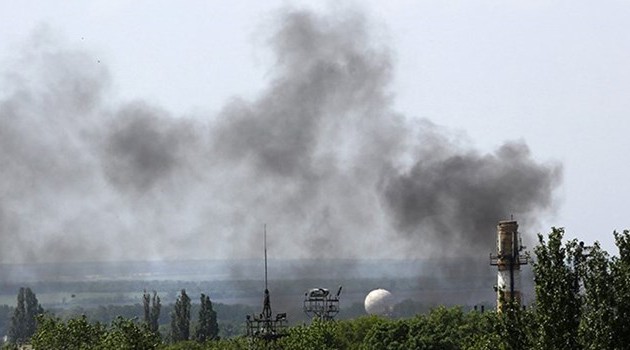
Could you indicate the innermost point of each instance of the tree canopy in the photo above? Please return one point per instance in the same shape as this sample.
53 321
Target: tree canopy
23 322
180 318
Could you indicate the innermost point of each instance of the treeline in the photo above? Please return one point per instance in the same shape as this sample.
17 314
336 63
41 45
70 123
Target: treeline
442 328
230 317
52 332
582 302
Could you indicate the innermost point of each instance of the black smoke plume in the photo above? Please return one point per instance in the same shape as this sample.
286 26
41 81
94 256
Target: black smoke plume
319 155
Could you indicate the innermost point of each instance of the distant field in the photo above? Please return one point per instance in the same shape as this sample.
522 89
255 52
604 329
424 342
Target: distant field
61 299
457 281
222 270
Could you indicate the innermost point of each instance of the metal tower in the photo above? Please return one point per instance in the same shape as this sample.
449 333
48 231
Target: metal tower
319 303
264 326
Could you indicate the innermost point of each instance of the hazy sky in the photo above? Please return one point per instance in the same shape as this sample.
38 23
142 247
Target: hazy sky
554 75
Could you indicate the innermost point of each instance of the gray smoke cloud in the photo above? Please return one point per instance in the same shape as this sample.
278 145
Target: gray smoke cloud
457 197
320 156
144 146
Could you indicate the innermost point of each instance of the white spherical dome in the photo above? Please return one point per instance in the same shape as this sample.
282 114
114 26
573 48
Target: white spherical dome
379 302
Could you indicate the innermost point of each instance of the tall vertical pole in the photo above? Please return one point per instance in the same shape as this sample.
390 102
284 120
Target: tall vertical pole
267 302
265 239
513 257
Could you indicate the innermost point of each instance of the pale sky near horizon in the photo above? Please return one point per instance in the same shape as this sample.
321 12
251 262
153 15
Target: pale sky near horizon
555 74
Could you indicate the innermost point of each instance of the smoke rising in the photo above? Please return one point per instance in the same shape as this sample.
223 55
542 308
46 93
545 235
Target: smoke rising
145 146
320 156
456 197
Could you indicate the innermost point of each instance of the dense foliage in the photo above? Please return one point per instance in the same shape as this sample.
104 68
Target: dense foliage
582 302
581 294
180 318
79 334
152 307
207 326
23 320
442 328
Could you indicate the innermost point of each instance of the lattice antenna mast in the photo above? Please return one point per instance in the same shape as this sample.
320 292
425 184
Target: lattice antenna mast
262 326
267 302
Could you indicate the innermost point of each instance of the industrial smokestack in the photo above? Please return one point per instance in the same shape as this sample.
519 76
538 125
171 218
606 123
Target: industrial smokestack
508 261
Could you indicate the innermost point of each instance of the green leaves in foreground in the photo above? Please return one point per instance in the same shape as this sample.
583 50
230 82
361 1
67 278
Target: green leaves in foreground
79 334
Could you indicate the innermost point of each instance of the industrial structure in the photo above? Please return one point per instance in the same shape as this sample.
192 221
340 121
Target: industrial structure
508 260
320 304
264 326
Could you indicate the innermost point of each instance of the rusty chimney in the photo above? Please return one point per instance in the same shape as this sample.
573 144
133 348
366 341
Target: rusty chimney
508 260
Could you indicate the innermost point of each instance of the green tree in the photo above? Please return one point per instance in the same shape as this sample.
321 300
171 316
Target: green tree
319 335
23 321
355 331
75 334
125 334
485 331
79 334
443 328
152 307
146 304
558 300
620 270
515 325
440 329
598 309
180 318
207 326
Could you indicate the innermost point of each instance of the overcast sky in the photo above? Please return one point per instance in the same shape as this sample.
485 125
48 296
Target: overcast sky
552 74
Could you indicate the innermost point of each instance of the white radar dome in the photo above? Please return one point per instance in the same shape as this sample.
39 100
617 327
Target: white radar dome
379 302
